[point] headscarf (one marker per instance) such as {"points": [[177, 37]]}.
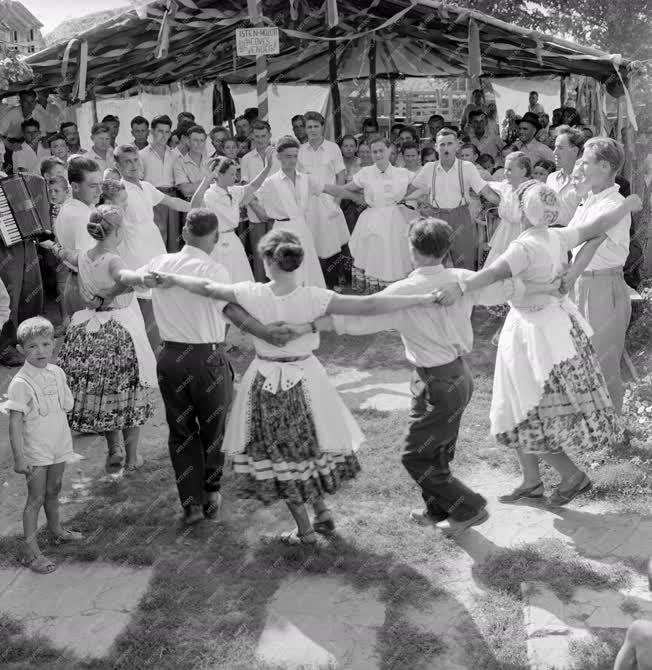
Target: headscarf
{"points": [[539, 203]]}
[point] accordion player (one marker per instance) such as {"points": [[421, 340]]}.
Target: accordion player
{"points": [[24, 209]]}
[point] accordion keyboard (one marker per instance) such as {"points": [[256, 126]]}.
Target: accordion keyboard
{"points": [[8, 228]]}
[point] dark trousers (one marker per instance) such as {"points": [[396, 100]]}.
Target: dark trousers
{"points": [[335, 267], [196, 382], [169, 222], [256, 231], [439, 397], [21, 274]]}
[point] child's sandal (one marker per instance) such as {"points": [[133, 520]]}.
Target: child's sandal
{"points": [[324, 526], [39, 564], [68, 536], [293, 538]]}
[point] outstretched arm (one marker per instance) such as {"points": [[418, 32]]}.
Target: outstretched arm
{"points": [[605, 221], [348, 192], [61, 253], [379, 303], [205, 287], [176, 204]]}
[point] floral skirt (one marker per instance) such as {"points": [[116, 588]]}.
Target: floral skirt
{"points": [[282, 459], [102, 372], [575, 411]]}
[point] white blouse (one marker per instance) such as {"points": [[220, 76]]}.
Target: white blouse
{"points": [[226, 205], [383, 189]]}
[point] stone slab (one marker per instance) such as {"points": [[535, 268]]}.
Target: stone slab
{"points": [[81, 607], [321, 623]]}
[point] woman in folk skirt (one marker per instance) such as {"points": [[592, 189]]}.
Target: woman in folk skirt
{"points": [[549, 394], [290, 435], [106, 355]]}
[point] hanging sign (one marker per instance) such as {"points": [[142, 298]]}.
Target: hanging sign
{"points": [[256, 41]]}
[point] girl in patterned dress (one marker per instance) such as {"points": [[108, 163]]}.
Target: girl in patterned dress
{"points": [[289, 433], [549, 393], [106, 355]]}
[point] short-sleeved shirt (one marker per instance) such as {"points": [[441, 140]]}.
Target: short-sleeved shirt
{"points": [[5, 310], [383, 189], [324, 163], [70, 227], [156, 170], [613, 252], [225, 204], [105, 162], [251, 165], [142, 239], [186, 171], [46, 434], [536, 151], [10, 124], [489, 143], [447, 182], [29, 160], [561, 182], [303, 305], [282, 199], [182, 316]]}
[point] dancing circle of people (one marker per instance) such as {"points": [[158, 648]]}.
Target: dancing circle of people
{"points": [[284, 431]]}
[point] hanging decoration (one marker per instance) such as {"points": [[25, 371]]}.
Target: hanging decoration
{"points": [[79, 90], [475, 56], [331, 13], [163, 39]]}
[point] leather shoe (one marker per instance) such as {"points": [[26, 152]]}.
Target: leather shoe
{"points": [[193, 514], [452, 528]]}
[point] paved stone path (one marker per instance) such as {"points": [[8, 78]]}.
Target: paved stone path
{"points": [[333, 625]]}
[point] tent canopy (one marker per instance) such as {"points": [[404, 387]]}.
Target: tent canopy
{"points": [[413, 38]]}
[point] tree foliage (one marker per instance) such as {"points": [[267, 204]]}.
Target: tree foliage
{"points": [[617, 26]]}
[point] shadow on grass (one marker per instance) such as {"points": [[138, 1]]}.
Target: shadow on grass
{"points": [[206, 603]]}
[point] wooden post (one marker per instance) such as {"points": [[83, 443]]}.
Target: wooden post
{"points": [[373, 93], [335, 89], [392, 101], [562, 91], [261, 72]]}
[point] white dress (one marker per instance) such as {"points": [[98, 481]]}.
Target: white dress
{"points": [[287, 204], [509, 227], [324, 216], [229, 250], [379, 244], [336, 429]]}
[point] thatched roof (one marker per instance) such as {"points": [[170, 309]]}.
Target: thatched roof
{"points": [[430, 39]]}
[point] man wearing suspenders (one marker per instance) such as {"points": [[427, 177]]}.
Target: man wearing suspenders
{"points": [[448, 182]]}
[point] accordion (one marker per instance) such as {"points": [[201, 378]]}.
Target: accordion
{"points": [[24, 209]]}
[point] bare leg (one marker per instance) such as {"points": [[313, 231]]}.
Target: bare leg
{"points": [[636, 652], [114, 444], [300, 514], [569, 472], [51, 503], [320, 506], [36, 484], [530, 468], [131, 437]]}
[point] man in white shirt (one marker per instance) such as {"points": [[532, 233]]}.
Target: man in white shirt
{"points": [[569, 144], [536, 151], [100, 150], [323, 160], [59, 147], [448, 182], [486, 143], [10, 125], [70, 131], [195, 375], [251, 165], [189, 169], [140, 131], [533, 104], [48, 112], [600, 290], [63, 100], [436, 339], [28, 158], [85, 178], [158, 169], [142, 239]]}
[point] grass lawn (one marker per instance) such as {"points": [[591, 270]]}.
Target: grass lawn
{"points": [[207, 602]]}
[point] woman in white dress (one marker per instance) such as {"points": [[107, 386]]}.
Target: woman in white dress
{"points": [[285, 196], [549, 394], [106, 354], [289, 433], [218, 192], [379, 244], [518, 170]]}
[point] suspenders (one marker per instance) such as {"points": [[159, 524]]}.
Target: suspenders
{"points": [[460, 175]]}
